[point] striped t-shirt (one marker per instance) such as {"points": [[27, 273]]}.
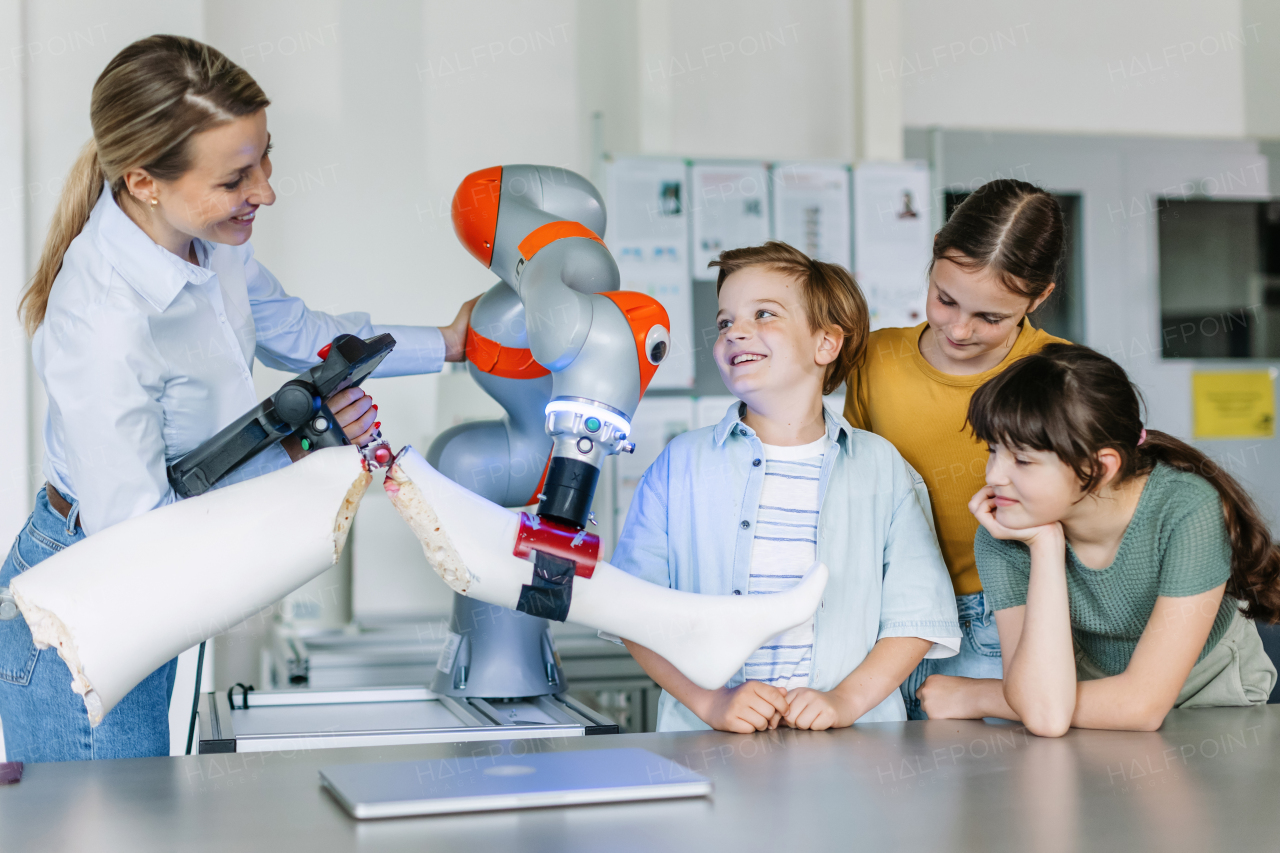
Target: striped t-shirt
{"points": [[786, 544]]}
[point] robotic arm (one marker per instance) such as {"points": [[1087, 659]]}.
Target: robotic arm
{"points": [[537, 228], [566, 353]]}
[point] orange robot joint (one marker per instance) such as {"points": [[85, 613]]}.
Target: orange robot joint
{"points": [[544, 235], [493, 358]]}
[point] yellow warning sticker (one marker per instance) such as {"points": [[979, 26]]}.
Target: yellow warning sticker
{"points": [[1233, 405]]}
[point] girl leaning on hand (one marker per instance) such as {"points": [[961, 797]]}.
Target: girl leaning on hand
{"points": [[1125, 567]]}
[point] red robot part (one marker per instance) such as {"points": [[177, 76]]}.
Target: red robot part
{"points": [[578, 546], [492, 357], [643, 312], [475, 212]]}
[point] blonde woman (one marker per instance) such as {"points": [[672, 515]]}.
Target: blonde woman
{"points": [[147, 311]]}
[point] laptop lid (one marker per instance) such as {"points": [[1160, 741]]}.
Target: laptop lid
{"points": [[485, 783]]}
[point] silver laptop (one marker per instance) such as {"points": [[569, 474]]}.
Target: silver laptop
{"points": [[490, 783]]}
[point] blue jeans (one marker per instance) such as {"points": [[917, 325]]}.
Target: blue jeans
{"points": [[43, 719], [979, 652]]}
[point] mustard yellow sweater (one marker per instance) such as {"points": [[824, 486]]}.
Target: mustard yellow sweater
{"points": [[899, 395]]}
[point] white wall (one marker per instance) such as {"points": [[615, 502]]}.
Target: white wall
{"points": [[747, 78], [66, 44], [1137, 67], [15, 455]]}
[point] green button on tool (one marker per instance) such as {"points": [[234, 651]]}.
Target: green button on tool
{"points": [[593, 424]]}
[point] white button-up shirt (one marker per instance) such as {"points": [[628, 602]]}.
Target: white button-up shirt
{"points": [[145, 356]]}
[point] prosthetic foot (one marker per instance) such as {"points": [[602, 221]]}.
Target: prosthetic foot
{"points": [[471, 543], [120, 603]]}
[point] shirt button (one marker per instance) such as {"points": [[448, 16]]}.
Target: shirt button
{"points": [[745, 524], [755, 463]]}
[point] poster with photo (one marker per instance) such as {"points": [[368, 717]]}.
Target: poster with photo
{"points": [[892, 239], [730, 207], [648, 234], [811, 209]]}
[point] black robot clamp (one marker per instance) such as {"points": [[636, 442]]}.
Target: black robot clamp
{"points": [[297, 408]]}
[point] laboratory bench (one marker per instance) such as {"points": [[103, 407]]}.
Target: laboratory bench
{"points": [[1208, 780]]}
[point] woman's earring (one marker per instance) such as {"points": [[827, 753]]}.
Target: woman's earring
{"points": [[154, 202]]}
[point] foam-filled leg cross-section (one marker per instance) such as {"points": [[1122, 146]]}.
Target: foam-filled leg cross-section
{"points": [[123, 601]]}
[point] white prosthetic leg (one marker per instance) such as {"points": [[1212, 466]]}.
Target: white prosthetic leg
{"points": [[122, 602], [470, 542]]}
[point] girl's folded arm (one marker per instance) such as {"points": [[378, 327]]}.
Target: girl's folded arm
{"points": [[1140, 697], [1040, 672]]}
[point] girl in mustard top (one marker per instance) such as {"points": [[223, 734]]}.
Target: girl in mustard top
{"points": [[994, 262]]}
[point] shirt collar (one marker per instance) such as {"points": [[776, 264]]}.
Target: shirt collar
{"points": [[838, 429], [155, 272]]}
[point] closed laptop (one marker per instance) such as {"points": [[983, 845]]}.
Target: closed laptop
{"points": [[489, 783]]}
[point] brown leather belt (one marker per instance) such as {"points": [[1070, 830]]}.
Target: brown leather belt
{"points": [[60, 504]]}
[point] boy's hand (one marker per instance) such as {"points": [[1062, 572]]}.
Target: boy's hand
{"points": [[813, 709], [750, 707]]}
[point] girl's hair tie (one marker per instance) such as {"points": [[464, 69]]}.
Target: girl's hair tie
{"points": [[1142, 436]]}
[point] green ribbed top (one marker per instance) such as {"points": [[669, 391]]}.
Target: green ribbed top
{"points": [[1176, 544]]}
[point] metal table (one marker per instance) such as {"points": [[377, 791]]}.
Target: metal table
{"points": [[1208, 780], [602, 675], [290, 720]]}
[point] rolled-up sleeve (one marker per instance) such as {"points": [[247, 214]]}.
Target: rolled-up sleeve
{"points": [[918, 598], [290, 334], [114, 436]]}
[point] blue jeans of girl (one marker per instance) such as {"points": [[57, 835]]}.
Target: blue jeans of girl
{"points": [[979, 652], [43, 719]]}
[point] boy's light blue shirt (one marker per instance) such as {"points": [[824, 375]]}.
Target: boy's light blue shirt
{"points": [[692, 523]]}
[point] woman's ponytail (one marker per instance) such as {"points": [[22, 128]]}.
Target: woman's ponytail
{"points": [[1255, 558], [79, 195], [148, 103], [1074, 402]]}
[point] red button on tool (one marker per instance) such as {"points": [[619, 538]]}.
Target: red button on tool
{"points": [[324, 351], [383, 455]]}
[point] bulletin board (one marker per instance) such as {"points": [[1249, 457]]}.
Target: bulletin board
{"points": [[811, 209], [892, 239], [648, 235], [730, 211]]}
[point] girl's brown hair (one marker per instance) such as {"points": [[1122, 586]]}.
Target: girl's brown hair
{"points": [[832, 299], [149, 101], [1011, 228], [1073, 402]]}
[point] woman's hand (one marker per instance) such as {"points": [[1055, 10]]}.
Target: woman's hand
{"points": [[455, 334], [354, 411], [983, 507]]}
